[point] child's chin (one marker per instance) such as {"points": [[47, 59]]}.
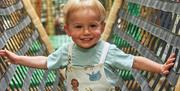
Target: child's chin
{"points": [[87, 46]]}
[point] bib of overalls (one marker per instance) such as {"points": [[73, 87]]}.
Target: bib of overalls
{"points": [[88, 78]]}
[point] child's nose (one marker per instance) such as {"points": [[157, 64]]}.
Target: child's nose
{"points": [[86, 31]]}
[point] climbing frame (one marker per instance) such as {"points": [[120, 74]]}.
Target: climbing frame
{"points": [[148, 28], [22, 33]]}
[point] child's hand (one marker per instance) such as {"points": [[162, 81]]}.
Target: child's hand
{"points": [[169, 63], [11, 57]]}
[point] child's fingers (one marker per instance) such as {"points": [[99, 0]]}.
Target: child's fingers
{"points": [[170, 60], [166, 72], [167, 66], [172, 55], [9, 61], [2, 54], [2, 51]]}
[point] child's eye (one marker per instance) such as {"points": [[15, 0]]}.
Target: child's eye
{"points": [[78, 26], [93, 26]]}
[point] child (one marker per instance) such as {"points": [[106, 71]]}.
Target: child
{"points": [[89, 60]]}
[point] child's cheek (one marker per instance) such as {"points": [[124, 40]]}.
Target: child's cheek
{"points": [[98, 32]]}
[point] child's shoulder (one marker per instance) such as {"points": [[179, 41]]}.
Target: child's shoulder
{"points": [[64, 46], [112, 46]]}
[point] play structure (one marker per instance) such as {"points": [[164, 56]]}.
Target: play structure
{"points": [[149, 28]]}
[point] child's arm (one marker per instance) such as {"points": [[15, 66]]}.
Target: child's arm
{"points": [[143, 63], [31, 61]]}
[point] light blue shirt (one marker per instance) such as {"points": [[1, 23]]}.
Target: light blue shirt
{"points": [[115, 59]]}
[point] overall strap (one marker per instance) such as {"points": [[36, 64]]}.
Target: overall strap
{"points": [[70, 53], [104, 52]]}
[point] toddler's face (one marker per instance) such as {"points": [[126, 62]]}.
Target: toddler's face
{"points": [[85, 27]]}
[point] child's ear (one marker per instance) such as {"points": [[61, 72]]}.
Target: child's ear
{"points": [[66, 29]]}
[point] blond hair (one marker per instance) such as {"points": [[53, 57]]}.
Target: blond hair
{"points": [[75, 5]]}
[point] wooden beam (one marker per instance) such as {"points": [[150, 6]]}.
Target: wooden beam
{"points": [[36, 21], [111, 19]]}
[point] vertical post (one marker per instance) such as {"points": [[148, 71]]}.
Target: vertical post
{"points": [[39, 7], [49, 18], [111, 18], [35, 19]]}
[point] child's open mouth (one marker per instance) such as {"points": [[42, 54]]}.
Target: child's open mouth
{"points": [[87, 39]]}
